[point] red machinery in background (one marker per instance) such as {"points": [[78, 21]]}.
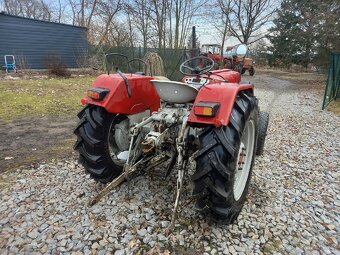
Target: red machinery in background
{"points": [[230, 60]]}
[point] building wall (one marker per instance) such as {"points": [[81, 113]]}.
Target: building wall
{"points": [[34, 43]]}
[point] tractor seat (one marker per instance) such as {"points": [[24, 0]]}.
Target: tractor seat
{"points": [[174, 91]]}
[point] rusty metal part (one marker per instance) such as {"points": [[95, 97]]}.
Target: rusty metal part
{"points": [[148, 145], [180, 146], [180, 178], [155, 163], [171, 164], [154, 139], [111, 186], [127, 172]]}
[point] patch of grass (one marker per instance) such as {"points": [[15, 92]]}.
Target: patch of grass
{"points": [[4, 182], [38, 98]]}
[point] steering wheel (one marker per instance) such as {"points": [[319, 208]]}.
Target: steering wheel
{"points": [[194, 71]]}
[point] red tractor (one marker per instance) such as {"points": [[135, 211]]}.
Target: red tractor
{"points": [[238, 62], [133, 122], [213, 51]]}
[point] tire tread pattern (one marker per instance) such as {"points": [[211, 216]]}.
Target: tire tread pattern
{"points": [[216, 163], [92, 143], [262, 132]]}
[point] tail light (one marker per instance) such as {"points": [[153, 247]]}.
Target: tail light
{"points": [[83, 101], [208, 109], [97, 93]]}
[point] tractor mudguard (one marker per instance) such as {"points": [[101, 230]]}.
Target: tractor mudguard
{"points": [[222, 93], [229, 75], [143, 94]]}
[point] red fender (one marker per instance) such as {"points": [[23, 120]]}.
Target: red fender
{"points": [[216, 75], [223, 93], [227, 74], [144, 95]]}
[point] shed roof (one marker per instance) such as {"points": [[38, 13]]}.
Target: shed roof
{"points": [[38, 20]]}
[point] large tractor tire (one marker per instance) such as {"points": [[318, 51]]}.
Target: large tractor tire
{"points": [[251, 71], [97, 143], [239, 68], [227, 63], [225, 161], [262, 132]]}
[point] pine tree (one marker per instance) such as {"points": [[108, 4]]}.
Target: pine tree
{"points": [[329, 32], [305, 31]]}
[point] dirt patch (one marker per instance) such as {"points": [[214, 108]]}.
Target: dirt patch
{"points": [[314, 80], [281, 81], [28, 141]]}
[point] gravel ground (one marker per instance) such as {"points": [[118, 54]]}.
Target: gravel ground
{"points": [[292, 207]]}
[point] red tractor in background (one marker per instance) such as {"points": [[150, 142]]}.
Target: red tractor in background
{"points": [[133, 122], [238, 62], [212, 51], [230, 60]]}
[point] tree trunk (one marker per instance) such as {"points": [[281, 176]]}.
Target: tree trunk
{"points": [[224, 35]]}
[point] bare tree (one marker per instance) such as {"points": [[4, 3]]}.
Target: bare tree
{"points": [[131, 29], [73, 6], [83, 11], [163, 23], [184, 12], [60, 11], [107, 10], [159, 12], [224, 31], [182, 19], [96, 15], [57, 10], [248, 18], [140, 11], [118, 35], [28, 8], [221, 24]]}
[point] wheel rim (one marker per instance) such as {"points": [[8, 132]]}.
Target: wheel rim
{"points": [[118, 140], [244, 159]]}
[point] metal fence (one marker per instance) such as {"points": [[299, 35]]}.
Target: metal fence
{"points": [[172, 58], [332, 89]]}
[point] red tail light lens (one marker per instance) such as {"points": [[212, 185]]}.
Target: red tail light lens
{"points": [[97, 93]]}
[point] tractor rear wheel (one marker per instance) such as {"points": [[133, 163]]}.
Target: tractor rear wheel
{"points": [[101, 136], [262, 132], [227, 63], [251, 71], [225, 161], [239, 67]]}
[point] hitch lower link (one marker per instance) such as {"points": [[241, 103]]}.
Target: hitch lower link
{"points": [[129, 168]]}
